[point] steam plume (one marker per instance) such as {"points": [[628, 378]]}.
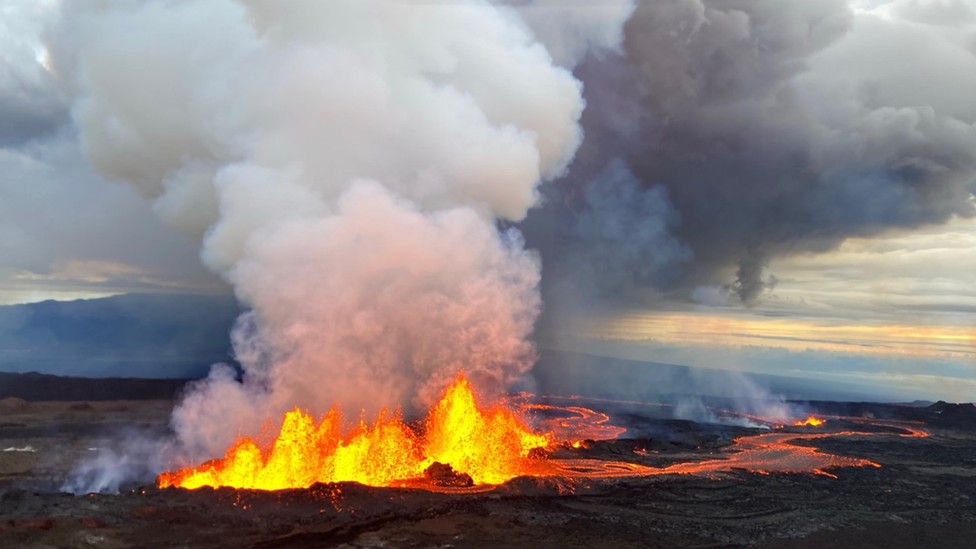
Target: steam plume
{"points": [[344, 164]]}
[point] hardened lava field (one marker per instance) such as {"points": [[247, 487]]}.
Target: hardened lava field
{"points": [[870, 476]]}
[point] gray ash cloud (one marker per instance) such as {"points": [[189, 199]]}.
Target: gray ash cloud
{"points": [[766, 128]]}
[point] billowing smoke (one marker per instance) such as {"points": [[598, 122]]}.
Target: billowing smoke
{"points": [[772, 128], [347, 165], [344, 164], [375, 305], [617, 242], [572, 29]]}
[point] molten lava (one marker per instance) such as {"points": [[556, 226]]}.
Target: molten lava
{"points": [[491, 445], [576, 423], [810, 421]]}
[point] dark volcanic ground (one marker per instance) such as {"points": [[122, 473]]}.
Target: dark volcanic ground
{"points": [[924, 494]]}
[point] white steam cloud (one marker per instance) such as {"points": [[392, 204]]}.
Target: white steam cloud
{"points": [[344, 164]]}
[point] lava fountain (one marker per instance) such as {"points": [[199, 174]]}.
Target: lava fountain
{"points": [[810, 421], [490, 444]]}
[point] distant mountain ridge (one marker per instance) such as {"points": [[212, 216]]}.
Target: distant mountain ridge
{"points": [[557, 373], [33, 386], [180, 336], [133, 335]]}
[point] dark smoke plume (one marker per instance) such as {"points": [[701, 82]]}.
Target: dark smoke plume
{"points": [[765, 139]]}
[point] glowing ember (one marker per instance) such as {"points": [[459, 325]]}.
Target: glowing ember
{"points": [[810, 421], [491, 445]]}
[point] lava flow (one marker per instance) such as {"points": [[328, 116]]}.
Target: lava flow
{"points": [[576, 423], [491, 445]]}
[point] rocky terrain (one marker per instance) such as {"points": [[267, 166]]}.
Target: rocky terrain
{"points": [[924, 493]]}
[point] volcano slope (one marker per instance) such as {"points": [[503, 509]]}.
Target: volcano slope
{"points": [[923, 493]]}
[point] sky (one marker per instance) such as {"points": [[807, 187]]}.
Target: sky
{"points": [[895, 313], [781, 188], [903, 299], [65, 232]]}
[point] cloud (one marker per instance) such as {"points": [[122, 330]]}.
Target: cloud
{"points": [[617, 239], [88, 271], [920, 277], [60, 232], [941, 13], [57, 217], [723, 142], [878, 377], [778, 128], [571, 29], [32, 105], [346, 166], [711, 296]]}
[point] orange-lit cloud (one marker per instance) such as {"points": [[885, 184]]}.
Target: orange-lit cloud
{"points": [[715, 330], [907, 295]]}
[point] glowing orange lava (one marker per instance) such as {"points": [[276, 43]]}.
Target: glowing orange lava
{"points": [[576, 424], [763, 454], [810, 421], [491, 445]]}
